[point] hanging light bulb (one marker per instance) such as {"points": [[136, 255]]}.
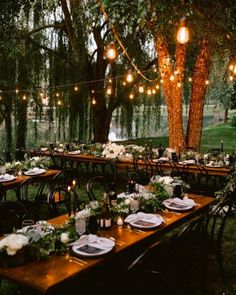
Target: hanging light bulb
{"points": [[179, 84], [109, 80], [76, 88], [123, 83], [57, 94], [207, 82], [109, 91], [131, 96], [157, 86], [17, 91], [93, 101], [231, 78], [129, 77], [24, 97], [161, 81], [183, 32], [141, 88], [154, 91], [190, 79], [231, 67], [111, 52], [149, 91], [59, 102], [172, 78]]}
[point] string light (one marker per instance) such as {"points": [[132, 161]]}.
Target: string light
{"points": [[17, 91], [123, 83], [149, 91], [157, 86], [131, 96], [93, 101], [172, 78], [129, 77], [24, 97], [141, 88], [109, 91], [231, 78], [154, 91], [109, 80], [59, 103], [76, 88], [183, 32], [111, 52], [179, 84], [190, 79], [207, 82], [57, 94], [161, 81]]}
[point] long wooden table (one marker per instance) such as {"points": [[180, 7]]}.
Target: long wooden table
{"points": [[14, 184], [124, 162], [51, 275]]}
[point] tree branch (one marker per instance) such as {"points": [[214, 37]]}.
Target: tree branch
{"points": [[55, 26]]}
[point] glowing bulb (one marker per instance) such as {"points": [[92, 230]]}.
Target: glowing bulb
{"points": [[76, 88], [183, 32], [149, 92], [231, 67], [124, 83], [41, 94], [59, 102], [92, 91], [179, 84], [93, 101], [162, 74], [235, 70], [129, 78], [0, 98], [161, 81], [110, 80], [111, 52], [207, 82], [154, 91], [231, 78], [109, 91], [24, 97], [190, 79], [141, 88], [17, 91], [131, 96], [57, 94], [172, 78], [44, 101], [157, 86], [73, 183]]}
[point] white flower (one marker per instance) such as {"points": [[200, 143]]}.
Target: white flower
{"points": [[166, 180], [205, 156], [127, 201], [65, 238], [94, 204], [85, 213], [13, 243]]}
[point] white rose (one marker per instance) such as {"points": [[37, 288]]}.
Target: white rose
{"points": [[127, 201], [65, 238], [14, 242]]}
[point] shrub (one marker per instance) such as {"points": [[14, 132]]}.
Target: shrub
{"points": [[233, 121]]}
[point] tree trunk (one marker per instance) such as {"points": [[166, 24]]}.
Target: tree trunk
{"points": [[8, 125], [226, 116], [172, 89], [199, 87]]}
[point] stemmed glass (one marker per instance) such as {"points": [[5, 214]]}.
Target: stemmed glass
{"points": [[80, 226]]}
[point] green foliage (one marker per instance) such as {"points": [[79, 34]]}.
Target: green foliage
{"points": [[233, 121]]}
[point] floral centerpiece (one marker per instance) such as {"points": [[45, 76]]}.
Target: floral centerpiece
{"points": [[40, 162]]}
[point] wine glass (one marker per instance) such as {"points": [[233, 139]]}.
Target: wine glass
{"points": [[134, 205], [27, 225]]}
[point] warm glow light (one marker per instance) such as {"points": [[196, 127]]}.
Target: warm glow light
{"points": [[24, 97], [17, 91], [93, 101], [129, 78], [179, 84], [59, 102], [123, 83], [183, 32], [109, 91], [76, 88], [110, 80], [41, 94], [44, 101], [57, 94], [157, 86], [172, 78], [161, 81], [131, 96], [111, 52], [0, 98], [190, 79], [207, 82], [141, 88], [231, 78], [74, 183], [154, 91], [231, 67], [149, 92], [162, 74], [92, 91], [235, 70]]}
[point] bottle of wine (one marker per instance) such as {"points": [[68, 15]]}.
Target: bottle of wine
{"points": [[113, 194], [105, 218], [160, 150]]}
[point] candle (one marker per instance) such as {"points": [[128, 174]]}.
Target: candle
{"points": [[222, 145], [119, 221]]}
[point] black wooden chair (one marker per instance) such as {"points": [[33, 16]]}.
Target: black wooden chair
{"points": [[12, 213], [95, 186], [143, 170], [57, 196]]}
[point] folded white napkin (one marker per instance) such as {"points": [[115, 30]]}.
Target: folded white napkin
{"points": [[189, 162], [44, 149], [5, 176], [155, 218], [74, 152], [163, 159], [94, 240], [184, 201]]}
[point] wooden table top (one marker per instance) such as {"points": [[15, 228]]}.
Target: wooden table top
{"points": [[44, 276], [19, 179]]}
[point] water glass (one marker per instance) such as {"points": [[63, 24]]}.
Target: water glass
{"points": [[28, 224], [80, 225]]}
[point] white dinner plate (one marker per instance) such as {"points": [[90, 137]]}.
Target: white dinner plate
{"points": [[93, 249], [74, 153], [177, 206], [214, 166], [4, 178], [146, 224], [34, 172]]}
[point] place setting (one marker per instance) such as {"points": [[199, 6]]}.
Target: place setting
{"points": [[7, 177], [178, 204], [35, 171], [144, 221]]}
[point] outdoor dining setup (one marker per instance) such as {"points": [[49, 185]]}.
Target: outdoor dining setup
{"points": [[110, 224]]}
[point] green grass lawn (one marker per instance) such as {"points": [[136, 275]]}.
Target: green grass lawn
{"points": [[211, 138]]}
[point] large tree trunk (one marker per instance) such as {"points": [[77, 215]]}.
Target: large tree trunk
{"points": [[172, 89], [199, 87]]}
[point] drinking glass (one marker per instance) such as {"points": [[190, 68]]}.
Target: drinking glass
{"points": [[134, 205], [28, 224], [80, 225]]}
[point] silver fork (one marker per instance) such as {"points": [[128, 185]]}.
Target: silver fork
{"points": [[76, 260]]}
